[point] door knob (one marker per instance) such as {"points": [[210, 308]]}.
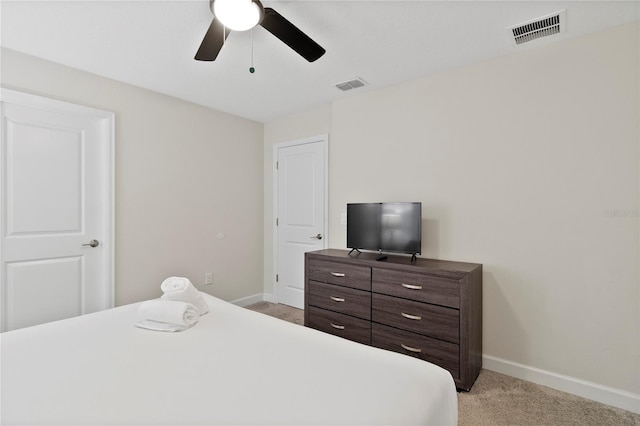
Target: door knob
{"points": [[92, 243], [317, 237]]}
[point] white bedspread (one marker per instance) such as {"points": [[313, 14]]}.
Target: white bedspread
{"points": [[234, 367]]}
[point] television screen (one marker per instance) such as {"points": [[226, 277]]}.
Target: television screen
{"points": [[387, 227]]}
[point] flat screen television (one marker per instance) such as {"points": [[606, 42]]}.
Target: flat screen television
{"points": [[385, 227]]}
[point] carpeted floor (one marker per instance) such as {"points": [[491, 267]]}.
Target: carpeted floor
{"points": [[497, 399], [284, 312]]}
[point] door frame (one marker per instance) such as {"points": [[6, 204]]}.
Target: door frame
{"points": [[107, 119], [324, 139]]}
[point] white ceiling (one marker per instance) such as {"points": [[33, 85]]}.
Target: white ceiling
{"points": [[151, 44]]}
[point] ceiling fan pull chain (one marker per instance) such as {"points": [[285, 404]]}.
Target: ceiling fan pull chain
{"points": [[252, 69]]}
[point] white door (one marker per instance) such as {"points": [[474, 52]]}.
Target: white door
{"points": [[301, 212], [56, 185]]}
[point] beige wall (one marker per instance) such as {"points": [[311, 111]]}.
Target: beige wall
{"points": [[184, 174], [524, 164], [528, 164]]}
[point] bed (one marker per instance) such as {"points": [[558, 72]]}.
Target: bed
{"points": [[235, 366]]}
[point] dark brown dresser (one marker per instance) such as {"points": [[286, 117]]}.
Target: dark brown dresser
{"points": [[429, 309]]}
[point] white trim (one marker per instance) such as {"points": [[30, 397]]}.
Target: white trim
{"points": [[324, 138], [255, 298], [249, 300], [42, 102], [594, 391], [111, 203]]}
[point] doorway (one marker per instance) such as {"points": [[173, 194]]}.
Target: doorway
{"points": [[57, 207], [301, 174]]}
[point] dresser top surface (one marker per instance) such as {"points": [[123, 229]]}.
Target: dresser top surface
{"points": [[396, 262]]}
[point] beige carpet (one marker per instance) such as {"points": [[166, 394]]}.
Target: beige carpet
{"points": [[497, 399], [284, 312]]}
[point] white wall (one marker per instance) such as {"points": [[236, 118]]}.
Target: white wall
{"points": [[184, 174], [528, 164]]}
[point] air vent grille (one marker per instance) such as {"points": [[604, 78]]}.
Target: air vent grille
{"points": [[538, 28], [351, 84]]}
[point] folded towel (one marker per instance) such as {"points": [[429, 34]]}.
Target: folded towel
{"points": [[167, 315], [181, 289]]}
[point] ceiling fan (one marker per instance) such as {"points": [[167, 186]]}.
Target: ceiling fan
{"points": [[242, 15]]}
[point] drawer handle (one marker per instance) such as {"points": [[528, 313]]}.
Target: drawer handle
{"points": [[411, 317], [410, 349], [412, 287], [339, 327], [336, 299], [337, 274]]}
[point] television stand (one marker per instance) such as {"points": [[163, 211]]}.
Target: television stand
{"points": [[354, 249]]}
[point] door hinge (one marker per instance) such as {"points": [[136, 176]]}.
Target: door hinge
{"points": [[277, 165], [277, 222], [276, 277]]}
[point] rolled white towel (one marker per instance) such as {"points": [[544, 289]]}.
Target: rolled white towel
{"points": [[167, 315], [179, 288]]}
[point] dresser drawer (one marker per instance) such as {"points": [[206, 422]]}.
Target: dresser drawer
{"points": [[345, 300], [421, 287], [430, 320], [340, 274], [444, 354], [346, 326]]}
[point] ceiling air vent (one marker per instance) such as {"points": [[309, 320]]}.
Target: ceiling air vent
{"points": [[538, 28], [351, 84]]}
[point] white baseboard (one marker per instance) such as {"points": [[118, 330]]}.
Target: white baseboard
{"points": [[249, 300], [255, 298], [594, 391]]}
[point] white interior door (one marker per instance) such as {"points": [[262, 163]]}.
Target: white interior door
{"points": [[301, 212], [57, 210]]}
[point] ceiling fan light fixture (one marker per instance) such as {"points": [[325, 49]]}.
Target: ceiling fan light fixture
{"points": [[238, 15]]}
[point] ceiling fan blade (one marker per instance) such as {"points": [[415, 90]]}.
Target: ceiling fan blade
{"points": [[291, 35], [212, 42]]}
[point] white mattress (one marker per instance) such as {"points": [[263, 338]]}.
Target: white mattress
{"points": [[234, 367]]}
